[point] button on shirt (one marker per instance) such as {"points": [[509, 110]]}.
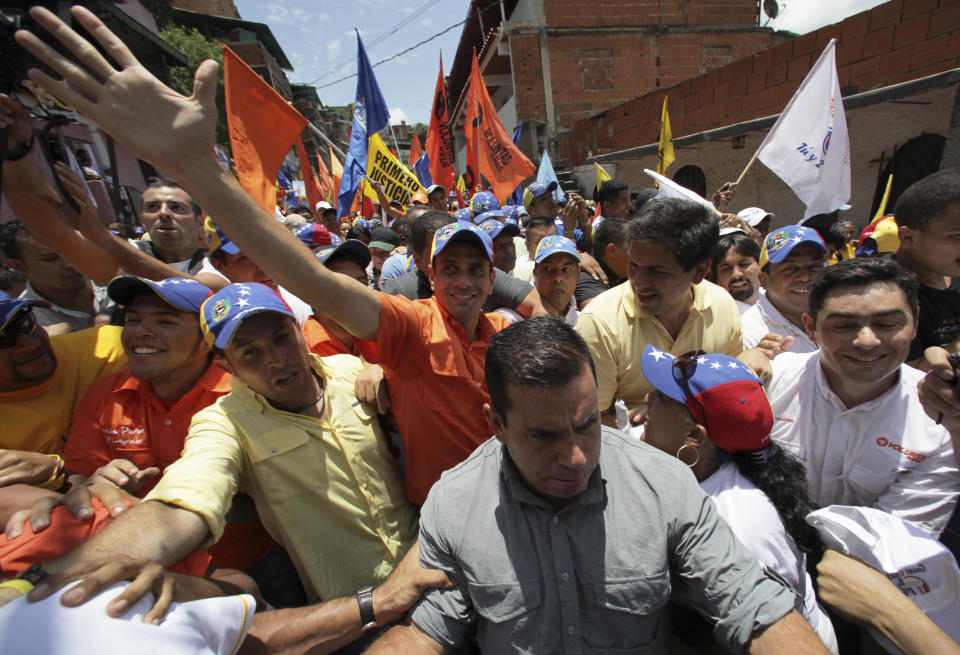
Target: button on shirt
{"points": [[617, 330], [884, 453], [434, 371], [595, 575], [329, 491], [763, 318]]}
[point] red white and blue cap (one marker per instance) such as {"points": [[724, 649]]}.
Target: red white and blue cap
{"points": [[555, 244], [313, 234], [511, 214], [737, 412], [780, 243], [483, 201], [494, 228], [180, 292], [461, 232], [223, 312], [11, 308], [353, 247]]}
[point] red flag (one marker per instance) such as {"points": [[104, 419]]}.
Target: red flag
{"points": [[263, 127], [439, 138], [326, 182], [497, 158], [336, 171], [415, 150], [309, 181]]}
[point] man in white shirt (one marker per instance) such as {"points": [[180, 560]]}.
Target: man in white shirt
{"points": [[790, 259], [850, 410], [736, 267]]}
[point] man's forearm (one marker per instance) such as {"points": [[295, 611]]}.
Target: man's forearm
{"points": [[320, 628], [152, 530], [791, 634]]}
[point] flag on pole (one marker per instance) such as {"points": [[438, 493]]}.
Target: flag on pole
{"points": [[546, 175], [602, 175], [327, 185], [263, 127], [422, 169], [415, 150], [439, 144], [665, 155], [309, 182], [674, 190], [883, 202], [518, 192], [808, 147], [336, 172], [370, 115], [497, 158]]}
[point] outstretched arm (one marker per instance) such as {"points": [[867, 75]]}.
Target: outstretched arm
{"points": [[175, 133]]}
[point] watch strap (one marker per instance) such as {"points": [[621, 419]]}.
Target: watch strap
{"points": [[365, 600]]}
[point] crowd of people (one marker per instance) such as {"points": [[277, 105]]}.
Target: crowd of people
{"points": [[531, 428]]}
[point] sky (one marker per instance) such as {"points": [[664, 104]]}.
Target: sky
{"points": [[318, 39]]}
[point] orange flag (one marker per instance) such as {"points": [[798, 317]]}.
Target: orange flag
{"points": [[415, 150], [336, 171], [309, 181], [439, 145], [497, 158], [326, 181], [263, 127]]}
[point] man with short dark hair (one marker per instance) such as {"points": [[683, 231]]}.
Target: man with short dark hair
{"points": [[555, 271], [544, 563], [437, 197], [610, 250], [928, 216], [173, 221], [614, 199], [736, 268], [668, 302], [850, 410]]}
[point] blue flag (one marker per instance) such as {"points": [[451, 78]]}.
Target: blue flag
{"points": [[545, 175], [370, 115], [422, 168]]}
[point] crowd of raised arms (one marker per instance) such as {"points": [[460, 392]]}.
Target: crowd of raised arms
{"points": [[661, 427]]}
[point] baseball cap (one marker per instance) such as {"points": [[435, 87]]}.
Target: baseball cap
{"points": [[483, 201], [180, 292], [753, 215], [730, 230], [353, 247], [216, 239], [463, 214], [461, 232], [779, 244], [536, 190], [223, 312], [721, 392], [419, 198], [323, 206], [384, 238], [434, 187], [883, 235], [11, 308], [511, 214], [494, 228], [313, 234], [554, 244], [361, 224]]}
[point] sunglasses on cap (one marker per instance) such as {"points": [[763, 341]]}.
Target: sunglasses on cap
{"points": [[684, 367], [22, 326]]}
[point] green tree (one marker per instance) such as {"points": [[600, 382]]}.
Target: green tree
{"points": [[197, 48]]}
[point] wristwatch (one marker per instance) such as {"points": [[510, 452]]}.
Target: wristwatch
{"points": [[365, 600]]}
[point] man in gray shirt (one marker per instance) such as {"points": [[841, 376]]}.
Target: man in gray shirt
{"points": [[567, 537]]}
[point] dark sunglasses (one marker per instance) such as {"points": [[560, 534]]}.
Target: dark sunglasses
{"points": [[684, 367], [19, 327]]}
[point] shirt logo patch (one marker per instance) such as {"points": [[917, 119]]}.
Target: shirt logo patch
{"points": [[912, 455], [124, 436]]}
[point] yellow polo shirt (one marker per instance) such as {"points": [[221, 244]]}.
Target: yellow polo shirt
{"points": [[36, 419], [617, 331], [329, 491]]}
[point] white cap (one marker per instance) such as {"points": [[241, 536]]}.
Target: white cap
{"points": [[323, 205], [730, 230], [753, 215]]}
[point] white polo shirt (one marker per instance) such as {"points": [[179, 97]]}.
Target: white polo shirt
{"points": [[885, 453], [763, 318]]}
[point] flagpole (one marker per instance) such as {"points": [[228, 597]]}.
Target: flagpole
{"points": [[330, 143], [747, 168], [406, 182]]}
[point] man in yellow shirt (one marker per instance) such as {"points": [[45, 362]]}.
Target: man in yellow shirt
{"points": [[666, 302], [42, 378]]}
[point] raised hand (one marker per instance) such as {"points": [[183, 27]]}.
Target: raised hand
{"points": [[149, 118]]}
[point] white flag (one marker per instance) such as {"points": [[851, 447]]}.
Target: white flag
{"points": [[808, 146], [670, 188]]}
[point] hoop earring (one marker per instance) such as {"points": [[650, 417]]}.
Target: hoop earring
{"points": [[687, 445]]}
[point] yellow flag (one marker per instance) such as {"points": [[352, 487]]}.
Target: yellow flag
{"points": [[461, 184], [602, 175], [665, 155], [883, 203], [385, 169]]}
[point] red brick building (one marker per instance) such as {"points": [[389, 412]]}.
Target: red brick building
{"points": [[552, 63], [898, 69]]}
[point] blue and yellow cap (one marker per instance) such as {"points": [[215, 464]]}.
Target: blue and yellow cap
{"points": [[461, 232], [554, 244], [223, 312], [183, 294]]}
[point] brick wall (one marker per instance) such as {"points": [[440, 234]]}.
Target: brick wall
{"points": [[617, 13], [212, 7], [895, 42]]}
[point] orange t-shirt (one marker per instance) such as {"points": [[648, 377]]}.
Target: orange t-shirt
{"points": [[323, 344], [435, 375], [121, 417]]}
